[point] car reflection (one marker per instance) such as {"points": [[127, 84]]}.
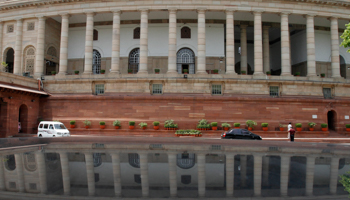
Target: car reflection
{"points": [[240, 134]]}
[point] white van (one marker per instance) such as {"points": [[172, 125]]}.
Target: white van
{"points": [[52, 129]]}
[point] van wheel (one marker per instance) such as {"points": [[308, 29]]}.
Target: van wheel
{"points": [[53, 136], [40, 135]]}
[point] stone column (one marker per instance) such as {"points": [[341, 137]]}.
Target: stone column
{"points": [[201, 174], [40, 160], [89, 162], [116, 174], [144, 174], [230, 43], [265, 172], [19, 169], [172, 42], [18, 48], [201, 57], [285, 46], [334, 175], [285, 165], [258, 56], [310, 168], [115, 68], [230, 174], [1, 32], [310, 45], [257, 174], [65, 173], [40, 48], [172, 174], [335, 48], [244, 58], [2, 174], [266, 47], [243, 162], [144, 43], [64, 45], [89, 42]]}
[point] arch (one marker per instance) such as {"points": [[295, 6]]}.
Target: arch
{"points": [[134, 160], [51, 60], [185, 160], [23, 119], [137, 33], [185, 61], [134, 60], [342, 66], [331, 119], [238, 68], [96, 62], [29, 162], [29, 59], [10, 163], [185, 32], [9, 57]]}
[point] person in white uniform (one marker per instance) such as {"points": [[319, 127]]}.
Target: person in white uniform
{"points": [[289, 127]]}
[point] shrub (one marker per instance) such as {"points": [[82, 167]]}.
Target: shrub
{"points": [[264, 124], [312, 124], [251, 123], [116, 123], [216, 71], [214, 124], [169, 123], [185, 70], [132, 123], [226, 125], [156, 70], [53, 72], [298, 125], [347, 125], [268, 72], [72, 122], [76, 72], [143, 124], [323, 75], [102, 123], [324, 125], [103, 71], [129, 70], [87, 123], [243, 72], [156, 123], [297, 74], [237, 124]]}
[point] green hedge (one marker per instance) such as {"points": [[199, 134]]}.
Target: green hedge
{"points": [[188, 132]]}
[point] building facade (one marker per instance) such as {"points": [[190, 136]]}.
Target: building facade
{"points": [[224, 61]]}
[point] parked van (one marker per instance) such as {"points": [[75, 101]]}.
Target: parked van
{"points": [[52, 129]]}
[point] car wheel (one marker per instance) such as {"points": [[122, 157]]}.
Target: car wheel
{"points": [[40, 135]]}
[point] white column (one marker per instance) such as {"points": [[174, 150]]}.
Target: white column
{"points": [[244, 58], [310, 45], [284, 178], [115, 67], [201, 66], [144, 174], [1, 31], [257, 174], [144, 42], [65, 173], [89, 42], [89, 162], [19, 169], [285, 46], [40, 48], [335, 48], [64, 45], [310, 168], [40, 160], [258, 55], [201, 174], [266, 47], [334, 175], [2, 174], [230, 174], [172, 42], [230, 43], [18, 48], [172, 174], [116, 174], [243, 162], [265, 172]]}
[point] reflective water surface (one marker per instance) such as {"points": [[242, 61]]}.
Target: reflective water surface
{"points": [[156, 170]]}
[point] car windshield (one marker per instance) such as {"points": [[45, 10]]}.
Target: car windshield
{"points": [[59, 126]]}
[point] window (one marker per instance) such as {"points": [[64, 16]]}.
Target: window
{"points": [[30, 26], [216, 89], [99, 89], [137, 33], [95, 35], [41, 126], [274, 91], [327, 93], [157, 89], [134, 60], [10, 28], [185, 32], [46, 126], [96, 62]]}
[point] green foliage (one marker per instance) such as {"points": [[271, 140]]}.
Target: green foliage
{"points": [[264, 124], [347, 125], [143, 124], [156, 70], [129, 70], [323, 75], [312, 124], [324, 125], [102, 123], [76, 72], [72, 122], [53, 72], [226, 125], [282, 125], [185, 70], [268, 72], [243, 72], [251, 123], [346, 37], [188, 132], [345, 180], [236, 124], [155, 123], [132, 123], [116, 123], [214, 124], [103, 71], [298, 125], [297, 74], [169, 123], [87, 123], [216, 71]]}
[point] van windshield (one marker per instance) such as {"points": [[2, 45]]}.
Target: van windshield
{"points": [[59, 126]]}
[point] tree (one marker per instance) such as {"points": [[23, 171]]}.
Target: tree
{"points": [[345, 180], [346, 37]]}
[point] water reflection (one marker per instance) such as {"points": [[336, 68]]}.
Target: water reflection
{"points": [[164, 173]]}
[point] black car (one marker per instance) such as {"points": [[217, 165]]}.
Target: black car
{"points": [[240, 134]]}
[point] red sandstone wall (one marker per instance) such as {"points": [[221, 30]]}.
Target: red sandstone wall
{"points": [[187, 110]]}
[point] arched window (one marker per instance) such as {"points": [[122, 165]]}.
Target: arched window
{"points": [[10, 163], [96, 62], [51, 60], [185, 61], [185, 160], [185, 32], [29, 59], [134, 60], [9, 59], [97, 159], [29, 162], [95, 34], [134, 160], [137, 33]]}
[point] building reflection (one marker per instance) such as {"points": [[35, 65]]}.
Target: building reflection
{"points": [[159, 171]]}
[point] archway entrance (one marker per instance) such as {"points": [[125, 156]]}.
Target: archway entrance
{"points": [[331, 119], [185, 61], [9, 58], [23, 119], [238, 68]]}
